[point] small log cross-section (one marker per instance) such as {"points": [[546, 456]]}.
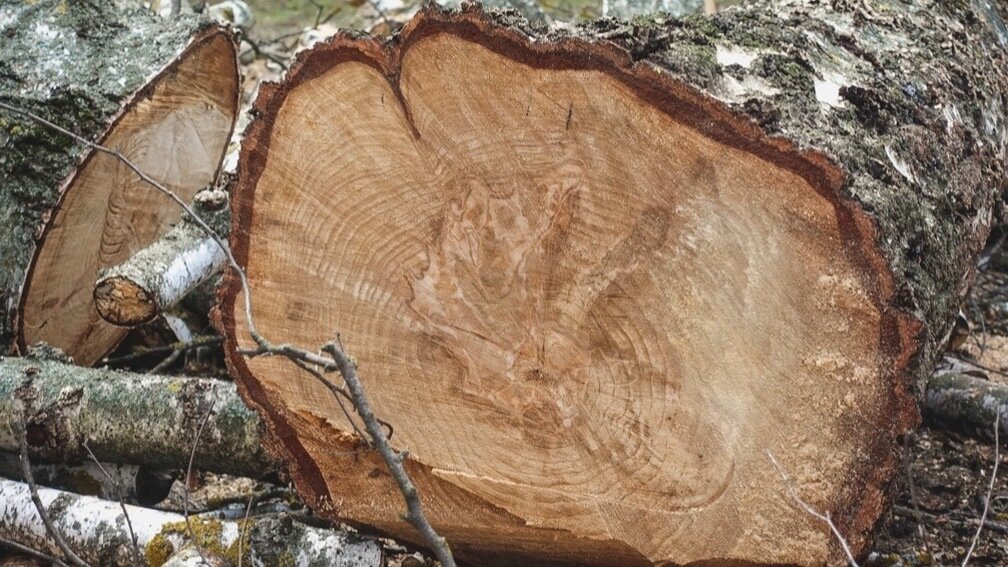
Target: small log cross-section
{"points": [[593, 277], [162, 91]]}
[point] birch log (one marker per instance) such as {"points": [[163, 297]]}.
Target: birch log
{"points": [[96, 530], [163, 91], [129, 418], [591, 276], [157, 277]]}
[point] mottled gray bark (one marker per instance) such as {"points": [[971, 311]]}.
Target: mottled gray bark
{"points": [[77, 64], [96, 530], [155, 279], [967, 402], [128, 418]]}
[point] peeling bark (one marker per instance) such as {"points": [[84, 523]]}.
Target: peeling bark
{"points": [[128, 418], [97, 531]]}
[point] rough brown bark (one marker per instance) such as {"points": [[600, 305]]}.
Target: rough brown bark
{"points": [[883, 140], [163, 91]]}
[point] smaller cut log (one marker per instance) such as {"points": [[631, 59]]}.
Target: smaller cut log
{"points": [[128, 418], [161, 91], [96, 530], [967, 402], [157, 277]]}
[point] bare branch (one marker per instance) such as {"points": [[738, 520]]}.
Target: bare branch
{"points": [[137, 561], [393, 458], [825, 518], [54, 533], [185, 485], [990, 488]]}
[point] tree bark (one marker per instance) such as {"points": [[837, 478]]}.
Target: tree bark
{"points": [[593, 276], [162, 91], [97, 531], [128, 418]]}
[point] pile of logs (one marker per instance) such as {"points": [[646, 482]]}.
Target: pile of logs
{"points": [[614, 290]]}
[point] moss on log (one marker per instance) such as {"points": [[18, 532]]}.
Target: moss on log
{"points": [[162, 91], [97, 531]]}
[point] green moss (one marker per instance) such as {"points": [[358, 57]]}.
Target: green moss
{"points": [[206, 534], [231, 553], [158, 550]]}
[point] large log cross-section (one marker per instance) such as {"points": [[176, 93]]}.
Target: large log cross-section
{"points": [[593, 277]]}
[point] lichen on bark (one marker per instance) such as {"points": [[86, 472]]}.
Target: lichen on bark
{"points": [[128, 418]]}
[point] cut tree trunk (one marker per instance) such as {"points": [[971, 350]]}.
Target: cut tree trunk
{"points": [[164, 92], [127, 418], [593, 277]]}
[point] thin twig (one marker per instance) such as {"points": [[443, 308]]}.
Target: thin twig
{"points": [[34, 552], [392, 460], [137, 562], [244, 530], [978, 365], [907, 469], [338, 393], [812, 511], [168, 361], [51, 528], [185, 485], [990, 488], [184, 346]]}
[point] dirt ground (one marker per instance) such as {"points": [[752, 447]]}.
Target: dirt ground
{"points": [[939, 501]]}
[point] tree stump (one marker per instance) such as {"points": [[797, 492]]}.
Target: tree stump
{"points": [[594, 277], [164, 92]]}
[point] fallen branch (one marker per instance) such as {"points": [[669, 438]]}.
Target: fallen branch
{"points": [[967, 402], [157, 277], [96, 530], [130, 418]]}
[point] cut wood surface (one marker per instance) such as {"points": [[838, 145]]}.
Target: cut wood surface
{"points": [[592, 277], [164, 92]]}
